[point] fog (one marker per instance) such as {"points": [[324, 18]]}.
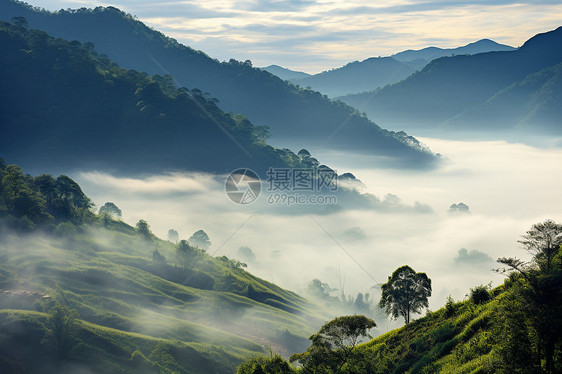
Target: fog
{"points": [[507, 188]]}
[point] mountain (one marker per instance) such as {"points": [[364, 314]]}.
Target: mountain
{"points": [[359, 76], [63, 107], [142, 306], [376, 72], [533, 104], [431, 53], [304, 116], [474, 92], [285, 74]]}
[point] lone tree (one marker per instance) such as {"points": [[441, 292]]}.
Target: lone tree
{"points": [[110, 209], [406, 292], [173, 236], [200, 239], [143, 229], [61, 325], [333, 345]]}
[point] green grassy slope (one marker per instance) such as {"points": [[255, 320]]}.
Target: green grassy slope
{"points": [[108, 278], [203, 316]]}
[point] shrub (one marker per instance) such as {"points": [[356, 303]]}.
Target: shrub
{"points": [[480, 294]]}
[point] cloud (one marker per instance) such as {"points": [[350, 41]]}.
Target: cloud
{"points": [[314, 35], [509, 187], [354, 234], [472, 258]]}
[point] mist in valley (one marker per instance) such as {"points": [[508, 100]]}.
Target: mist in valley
{"points": [[507, 188]]}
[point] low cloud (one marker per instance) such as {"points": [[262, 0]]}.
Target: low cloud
{"points": [[357, 246], [472, 258]]}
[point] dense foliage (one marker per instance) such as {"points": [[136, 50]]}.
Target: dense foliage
{"points": [[64, 106], [45, 201]]}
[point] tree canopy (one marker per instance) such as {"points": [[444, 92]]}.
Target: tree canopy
{"points": [[333, 344], [200, 239], [406, 292], [110, 209]]}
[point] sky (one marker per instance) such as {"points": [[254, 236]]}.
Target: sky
{"points": [[318, 35], [359, 248]]}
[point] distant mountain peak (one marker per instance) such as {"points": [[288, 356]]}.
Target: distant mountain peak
{"points": [[431, 53], [284, 73]]}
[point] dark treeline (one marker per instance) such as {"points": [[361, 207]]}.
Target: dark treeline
{"points": [[63, 106]]}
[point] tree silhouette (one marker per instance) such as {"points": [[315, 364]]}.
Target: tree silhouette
{"points": [[406, 292], [61, 325], [111, 209]]}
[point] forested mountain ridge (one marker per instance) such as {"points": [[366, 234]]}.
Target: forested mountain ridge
{"points": [[62, 106], [133, 302], [292, 113], [460, 92]]}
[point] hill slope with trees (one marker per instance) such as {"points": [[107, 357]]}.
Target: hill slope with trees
{"points": [[302, 115], [514, 328], [81, 290], [62, 106]]}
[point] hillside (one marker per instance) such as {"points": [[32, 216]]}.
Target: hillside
{"points": [[62, 107], [514, 328], [132, 291], [458, 92], [301, 115]]}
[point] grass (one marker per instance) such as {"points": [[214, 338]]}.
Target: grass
{"points": [[209, 312], [437, 343]]}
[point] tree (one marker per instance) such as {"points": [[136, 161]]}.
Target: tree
{"points": [[185, 252], [61, 325], [200, 239], [110, 209], [406, 292], [173, 236], [538, 284], [274, 364], [480, 294], [246, 254], [20, 22], [319, 290], [46, 184], [20, 199], [333, 345], [543, 242], [143, 229], [157, 258]]}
